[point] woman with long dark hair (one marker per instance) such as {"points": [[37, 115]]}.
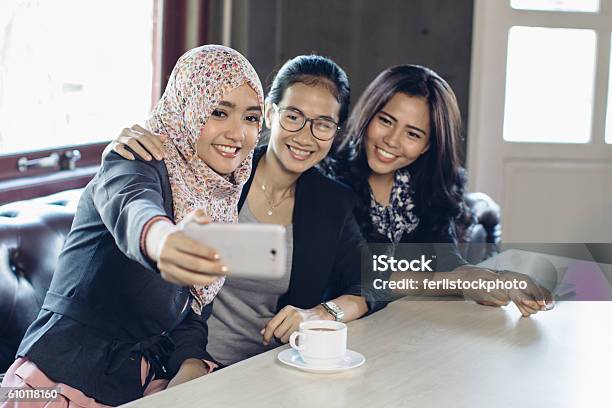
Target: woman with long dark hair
{"points": [[405, 132], [401, 156]]}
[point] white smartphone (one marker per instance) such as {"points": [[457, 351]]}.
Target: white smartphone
{"points": [[252, 251]]}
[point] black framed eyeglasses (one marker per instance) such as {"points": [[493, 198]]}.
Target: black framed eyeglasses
{"points": [[293, 120]]}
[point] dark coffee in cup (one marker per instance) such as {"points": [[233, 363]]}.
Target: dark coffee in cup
{"points": [[322, 343]]}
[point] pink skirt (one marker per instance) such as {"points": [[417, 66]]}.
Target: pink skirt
{"points": [[25, 374]]}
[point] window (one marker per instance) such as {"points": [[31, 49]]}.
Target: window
{"points": [[557, 5], [550, 75], [539, 98], [557, 59], [73, 72]]}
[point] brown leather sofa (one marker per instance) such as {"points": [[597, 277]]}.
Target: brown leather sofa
{"points": [[32, 233]]}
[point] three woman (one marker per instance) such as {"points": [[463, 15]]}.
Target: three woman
{"points": [[126, 311], [400, 156]]}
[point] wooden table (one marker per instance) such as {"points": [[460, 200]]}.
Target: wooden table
{"points": [[434, 354]]}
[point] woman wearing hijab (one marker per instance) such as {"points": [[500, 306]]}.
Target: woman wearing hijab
{"points": [[307, 104], [126, 311]]}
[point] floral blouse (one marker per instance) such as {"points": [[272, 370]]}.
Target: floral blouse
{"points": [[397, 218]]}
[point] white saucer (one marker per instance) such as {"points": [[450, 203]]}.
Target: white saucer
{"points": [[292, 358]]}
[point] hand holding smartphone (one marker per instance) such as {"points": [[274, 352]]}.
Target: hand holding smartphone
{"points": [[251, 251]]}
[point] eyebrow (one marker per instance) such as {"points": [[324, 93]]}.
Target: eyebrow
{"points": [[232, 105], [408, 126], [318, 117]]}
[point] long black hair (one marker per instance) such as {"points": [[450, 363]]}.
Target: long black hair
{"points": [[437, 177]]}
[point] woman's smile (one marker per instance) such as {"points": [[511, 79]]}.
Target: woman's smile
{"points": [[383, 155], [226, 151], [299, 154]]}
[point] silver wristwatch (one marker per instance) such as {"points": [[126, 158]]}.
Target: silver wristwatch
{"points": [[334, 310]]}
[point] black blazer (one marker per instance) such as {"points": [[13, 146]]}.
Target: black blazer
{"points": [[434, 237], [438, 243], [107, 305], [326, 259]]}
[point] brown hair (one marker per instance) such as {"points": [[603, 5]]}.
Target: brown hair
{"points": [[437, 175]]}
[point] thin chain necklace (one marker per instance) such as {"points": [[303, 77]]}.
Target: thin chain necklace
{"points": [[271, 204]]}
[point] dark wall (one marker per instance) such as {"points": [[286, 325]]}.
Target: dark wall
{"points": [[363, 36]]}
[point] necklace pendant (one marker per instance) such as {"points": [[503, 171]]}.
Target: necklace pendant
{"points": [[270, 213]]}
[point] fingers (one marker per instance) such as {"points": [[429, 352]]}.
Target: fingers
{"points": [[538, 296], [268, 332], [533, 297], [549, 299], [179, 276], [537, 293], [521, 309], [157, 139], [493, 303], [183, 261], [497, 301], [526, 307], [500, 297], [194, 263], [151, 142], [142, 142], [137, 128], [525, 303], [203, 220], [550, 303], [273, 324], [486, 297], [135, 144], [288, 326], [122, 151], [182, 243], [200, 217], [526, 300]]}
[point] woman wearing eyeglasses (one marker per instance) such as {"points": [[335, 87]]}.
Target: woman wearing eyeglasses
{"points": [[305, 107]]}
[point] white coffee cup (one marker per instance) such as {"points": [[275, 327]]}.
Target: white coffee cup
{"points": [[322, 343]]}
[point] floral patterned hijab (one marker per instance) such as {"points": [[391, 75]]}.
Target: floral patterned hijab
{"points": [[200, 79]]}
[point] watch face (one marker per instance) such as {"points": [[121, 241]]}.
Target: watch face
{"points": [[335, 311]]}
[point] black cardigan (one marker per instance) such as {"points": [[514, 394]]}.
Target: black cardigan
{"points": [[434, 237], [327, 242], [107, 305]]}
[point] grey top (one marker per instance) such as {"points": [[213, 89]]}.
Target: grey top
{"points": [[243, 307]]}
